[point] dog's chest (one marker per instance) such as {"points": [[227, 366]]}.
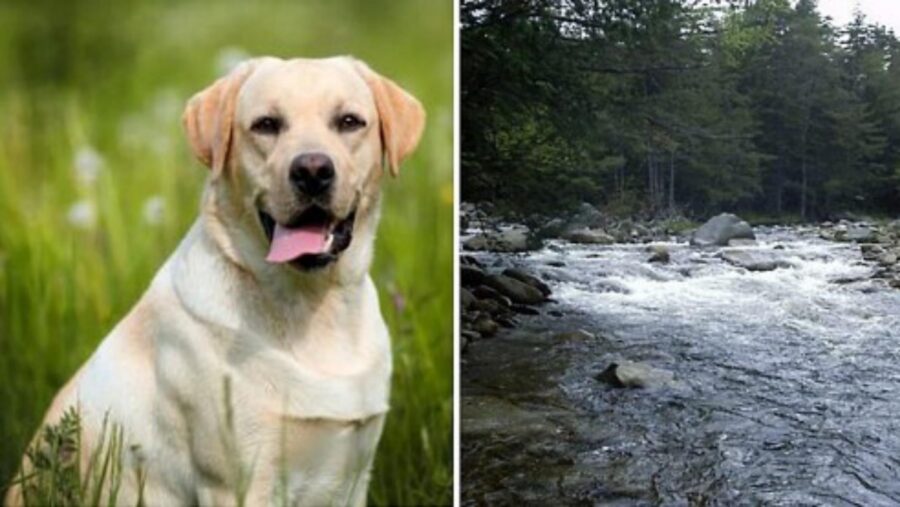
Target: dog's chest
{"points": [[327, 462]]}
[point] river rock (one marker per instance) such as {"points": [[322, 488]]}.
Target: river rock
{"points": [[857, 234], [466, 298], [468, 260], [589, 237], [485, 326], [755, 260], [870, 251], [518, 292], [488, 305], [658, 253], [507, 321], [470, 275], [511, 239], [485, 292], [528, 278], [718, 230], [466, 337], [632, 374], [887, 259], [893, 227]]}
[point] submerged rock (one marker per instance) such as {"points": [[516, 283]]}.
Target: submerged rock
{"points": [[741, 242], [719, 230], [755, 260], [577, 335], [632, 374]]}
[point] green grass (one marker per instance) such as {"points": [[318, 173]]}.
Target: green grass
{"points": [[74, 82]]}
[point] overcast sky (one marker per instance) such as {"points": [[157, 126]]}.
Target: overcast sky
{"points": [[884, 12]]}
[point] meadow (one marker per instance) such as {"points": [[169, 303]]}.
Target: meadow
{"points": [[97, 186]]}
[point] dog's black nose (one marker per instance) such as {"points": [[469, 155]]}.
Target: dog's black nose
{"points": [[312, 173]]}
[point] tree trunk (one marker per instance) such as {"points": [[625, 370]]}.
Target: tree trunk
{"points": [[651, 191], [672, 181], [803, 187]]}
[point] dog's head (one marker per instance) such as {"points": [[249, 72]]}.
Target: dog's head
{"points": [[299, 145]]}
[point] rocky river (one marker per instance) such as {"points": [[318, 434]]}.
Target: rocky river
{"points": [[779, 383]]}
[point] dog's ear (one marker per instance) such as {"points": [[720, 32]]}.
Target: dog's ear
{"points": [[400, 115], [209, 116]]}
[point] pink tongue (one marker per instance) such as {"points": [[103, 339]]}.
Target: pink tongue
{"points": [[288, 244]]}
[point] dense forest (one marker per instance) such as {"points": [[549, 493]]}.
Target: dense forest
{"points": [[658, 106]]}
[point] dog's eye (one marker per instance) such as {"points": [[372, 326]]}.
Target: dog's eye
{"points": [[267, 125], [349, 123]]}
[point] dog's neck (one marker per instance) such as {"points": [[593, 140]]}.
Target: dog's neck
{"points": [[297, 331]]}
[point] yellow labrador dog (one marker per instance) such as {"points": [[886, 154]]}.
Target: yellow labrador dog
{"points": [[270, 290]]}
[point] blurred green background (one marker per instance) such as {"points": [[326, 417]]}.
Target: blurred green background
{"points": [[97, 186]]}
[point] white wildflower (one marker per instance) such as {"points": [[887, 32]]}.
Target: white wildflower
{"points": [[154, 210], [228, 58], [82, 214], [87, 164]]}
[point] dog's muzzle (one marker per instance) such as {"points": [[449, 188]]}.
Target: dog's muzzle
{"points": [[311, 239]]}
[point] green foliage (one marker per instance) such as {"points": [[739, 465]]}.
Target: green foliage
{"points": [[53, 476], [756, 105], [91, 97]]}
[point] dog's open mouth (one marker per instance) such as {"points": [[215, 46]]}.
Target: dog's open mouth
{"points": [[311, 239]]}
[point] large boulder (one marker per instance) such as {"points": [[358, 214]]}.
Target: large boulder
{"points": [[509, 239], [518, 292], [525, 277], [631, 374], [719, 230]]}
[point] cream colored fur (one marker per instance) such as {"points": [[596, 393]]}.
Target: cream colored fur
{"points": [[306, 355]]}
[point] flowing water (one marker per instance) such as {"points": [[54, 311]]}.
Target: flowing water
{"points": [[787, 386]]}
